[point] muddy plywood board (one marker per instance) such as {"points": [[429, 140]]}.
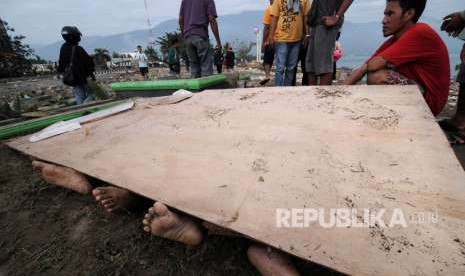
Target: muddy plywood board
{"points": [[234, 157]]}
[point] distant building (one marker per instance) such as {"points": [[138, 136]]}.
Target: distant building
{"points": [[123, 62], [43, 68]]}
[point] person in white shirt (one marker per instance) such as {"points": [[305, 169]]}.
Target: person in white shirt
{"points": [[143, 62]]}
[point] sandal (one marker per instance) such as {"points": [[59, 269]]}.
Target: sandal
{"points": [[447, 125]]}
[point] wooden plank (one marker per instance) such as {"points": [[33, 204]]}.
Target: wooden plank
{"points": [[234, 157]]}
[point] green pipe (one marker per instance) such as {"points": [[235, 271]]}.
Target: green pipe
{"points": [[188, 84], [244, 77], [28, 127]]}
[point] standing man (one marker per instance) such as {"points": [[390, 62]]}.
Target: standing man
{"points": [[143, 62], [219, 59], [287, 30], [194, 18], [454, 24], [414, 54], [76, 65], [267, 49], [325, 21]]}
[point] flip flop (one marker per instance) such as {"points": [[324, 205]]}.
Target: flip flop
{"points": [[446, 125], [456, 138], [265, 81]]}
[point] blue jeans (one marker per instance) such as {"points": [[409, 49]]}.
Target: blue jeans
{"points": [[287, 55], [82, 94], [200, 56]]}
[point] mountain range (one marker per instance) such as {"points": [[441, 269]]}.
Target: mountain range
{"points": [[358, 39]]}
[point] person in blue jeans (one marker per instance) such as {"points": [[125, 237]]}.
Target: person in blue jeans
{"points": [[82, 64], [194, 18], [288, 30]]}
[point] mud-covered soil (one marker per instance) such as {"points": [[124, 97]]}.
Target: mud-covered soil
{"points": [[46, 230]]}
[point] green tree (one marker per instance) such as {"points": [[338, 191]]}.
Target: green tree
{"points": [[152, 54], [168, 40], [101, 57], [20, 52], [116, 55], [243, 51]]}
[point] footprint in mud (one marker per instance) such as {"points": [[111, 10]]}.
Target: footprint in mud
{"points": [[373, 114], [332, 92], [362, 109], [215, 114], [81, 229], [260, 165], [248, 96]]}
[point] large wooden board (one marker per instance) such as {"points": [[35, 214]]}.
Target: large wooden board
{"points": [[233, 157]]}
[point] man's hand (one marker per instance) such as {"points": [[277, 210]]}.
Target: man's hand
{"points": [[306, 40], [269, 41], [330, 21], [453, 24]]}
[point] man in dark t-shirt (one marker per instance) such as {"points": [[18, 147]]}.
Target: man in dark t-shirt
{"points": [[194, 18], [415, 54]]}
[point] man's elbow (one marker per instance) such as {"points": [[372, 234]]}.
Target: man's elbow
{"points": [[212, 20]]}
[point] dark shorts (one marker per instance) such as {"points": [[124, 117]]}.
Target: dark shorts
{"points": [[268, 55], [144, 70], [461, 74]]}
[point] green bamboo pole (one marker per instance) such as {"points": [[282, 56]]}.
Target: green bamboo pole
{"points": [[28, 127], [188, 84]]}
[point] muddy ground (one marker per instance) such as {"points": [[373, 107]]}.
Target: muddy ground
{"points": [[46, 230]]}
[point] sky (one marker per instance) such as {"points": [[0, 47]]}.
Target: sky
{"points": [[41, 20]]}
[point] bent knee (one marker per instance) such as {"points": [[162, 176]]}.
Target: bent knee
{"points": [[377, 77]]}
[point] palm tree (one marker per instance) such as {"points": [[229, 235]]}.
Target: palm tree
{"points": [[101, 57], [168, 40], [152, 54]]}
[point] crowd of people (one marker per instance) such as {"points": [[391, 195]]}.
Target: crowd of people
{"points": [[294, 30]]}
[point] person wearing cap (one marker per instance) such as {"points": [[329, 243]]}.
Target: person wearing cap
{"points": [[81, 63]]}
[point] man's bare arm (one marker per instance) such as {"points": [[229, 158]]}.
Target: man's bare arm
{"points": [[274, 23], [344, 7], [373, 65], [181, 23], [356, 75], [266, 32], [334, 19], [216, 32]]}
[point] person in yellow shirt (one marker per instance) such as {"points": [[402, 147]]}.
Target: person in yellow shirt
{"points": [[288, 29]]}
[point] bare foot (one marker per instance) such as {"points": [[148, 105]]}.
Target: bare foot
{"points": [[63, 177], [162, 222], [270, 262], [113, 198]]}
